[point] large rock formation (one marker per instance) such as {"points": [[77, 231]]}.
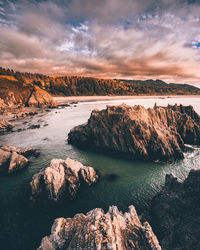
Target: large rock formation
{"points": [[18, 94], [14, 159], [61, 177], [175, 213], [138, 133], [5, 126], [97, 230]]}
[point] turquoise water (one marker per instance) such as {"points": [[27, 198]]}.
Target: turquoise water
{"points": [[23, 225]]}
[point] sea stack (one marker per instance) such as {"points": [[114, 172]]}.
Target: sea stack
{"points": [[61, 178], [137, 133]]}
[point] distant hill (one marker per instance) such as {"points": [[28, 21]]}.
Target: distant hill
{"points": [[76, 85]]}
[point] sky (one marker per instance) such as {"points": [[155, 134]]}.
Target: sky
{"points": [[129, 39]]}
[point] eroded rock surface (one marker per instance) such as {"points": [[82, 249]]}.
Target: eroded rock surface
{"points": [[14, 159], [99, 230], [62, 177], [5, 126], [18, 94], [138, 133], [175, 212]]}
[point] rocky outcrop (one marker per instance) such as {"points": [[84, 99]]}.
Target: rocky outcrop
{"points": [[14, 159], [175, 212], [138, 133], [40, 98], [18, 94], [97, 230], [5, 126], [61, 178]]}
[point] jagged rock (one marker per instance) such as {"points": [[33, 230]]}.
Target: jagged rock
{"points": [[175, 212], [97, 230], [61, 177], [5, 126], [14, 159], [138, 133]]}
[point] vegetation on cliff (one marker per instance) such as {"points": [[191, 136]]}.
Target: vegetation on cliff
{"points": [[77, 85]]}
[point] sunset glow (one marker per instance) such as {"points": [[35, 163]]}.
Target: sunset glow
{"points": [[105, 39]]}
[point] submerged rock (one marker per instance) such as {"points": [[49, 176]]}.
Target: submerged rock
{"points": [[138, 133], [61, 177], [97, 230], [34, 126], [175, 212], [5, 126], [14, 159]]}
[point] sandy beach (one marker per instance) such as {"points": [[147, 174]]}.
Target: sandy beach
{"points": [[67, 99]]}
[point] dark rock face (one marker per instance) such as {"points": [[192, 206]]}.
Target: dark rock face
{"points": [[97, 230], [5, 126], [14, 159], [139, 133], [61, 177], [175, 213]]}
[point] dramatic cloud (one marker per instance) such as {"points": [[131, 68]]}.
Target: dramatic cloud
{"points": [[136, 39]]}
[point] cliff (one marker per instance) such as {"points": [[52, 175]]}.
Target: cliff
{"points": [[138, 133], [17, 94], [99, 230], [175, 212]]}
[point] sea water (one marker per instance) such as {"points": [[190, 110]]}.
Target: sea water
{"points": [[23, 225]]}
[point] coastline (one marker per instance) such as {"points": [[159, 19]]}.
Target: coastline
{"points": [[66, 99]]}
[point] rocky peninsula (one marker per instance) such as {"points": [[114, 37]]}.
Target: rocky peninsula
{"points": [[61, 178], [158, 133], [99, 230], [14, 159], [175, 212]]}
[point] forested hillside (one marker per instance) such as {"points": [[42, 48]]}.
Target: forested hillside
{"points": [[77, 85]]}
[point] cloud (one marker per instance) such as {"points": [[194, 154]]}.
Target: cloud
{"points": [[108, 38]]}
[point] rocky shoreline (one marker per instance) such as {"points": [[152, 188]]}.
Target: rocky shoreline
{"points": [[159, 134], [14, 159], [5, 126]]}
